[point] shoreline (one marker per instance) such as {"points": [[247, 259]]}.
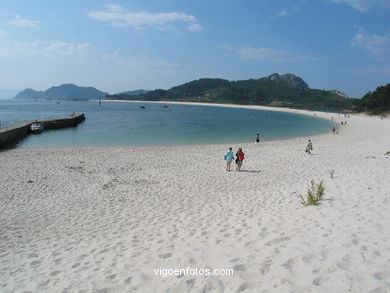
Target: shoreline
{"points": [[256, 107]]}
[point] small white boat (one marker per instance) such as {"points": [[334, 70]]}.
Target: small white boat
{"points": [[36, 127]]}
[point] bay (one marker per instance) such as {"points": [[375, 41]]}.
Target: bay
{"points": [[127, 124]]}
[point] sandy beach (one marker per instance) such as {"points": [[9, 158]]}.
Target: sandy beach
{"points": [[105, 219]]}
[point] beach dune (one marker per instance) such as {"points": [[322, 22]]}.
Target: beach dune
{"points": [[106, 219]]}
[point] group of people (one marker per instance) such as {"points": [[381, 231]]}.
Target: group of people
{"points": [[229, 158]]}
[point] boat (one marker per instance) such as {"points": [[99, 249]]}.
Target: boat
{"points": [[164, 106], [143, 107], [36, 127]]}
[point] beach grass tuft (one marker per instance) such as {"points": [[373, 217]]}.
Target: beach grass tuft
{"points": [[314, 194]]}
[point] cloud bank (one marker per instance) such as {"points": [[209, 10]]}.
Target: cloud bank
{"points": [[118, 17], [43, 48], [364, 5], [269, 54], [378, 46], [21, 22]]}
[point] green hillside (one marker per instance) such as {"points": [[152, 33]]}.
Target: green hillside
{"points": [[377, 102], [277, 90]]}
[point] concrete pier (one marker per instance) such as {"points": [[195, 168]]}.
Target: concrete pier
{"points": [[12, 134]]}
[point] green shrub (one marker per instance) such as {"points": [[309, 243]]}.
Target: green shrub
{"points": [[314, 194]]}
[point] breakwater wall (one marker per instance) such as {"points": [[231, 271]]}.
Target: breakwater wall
{"points": [[12, 134]]}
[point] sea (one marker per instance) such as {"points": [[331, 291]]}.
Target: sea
{"points": [[112, 123]]}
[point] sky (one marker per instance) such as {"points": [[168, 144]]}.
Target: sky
{"points": [[122, 45]]}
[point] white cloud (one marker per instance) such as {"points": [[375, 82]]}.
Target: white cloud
{"points": [[269, 54], [377, 45], [282, 13], [364, 5], [137, 61], [19, 21], [145, 61], [195, 27], [66, 48], [263, 54], [118, 17], [227, 49], [43, 48], [2, 33]]}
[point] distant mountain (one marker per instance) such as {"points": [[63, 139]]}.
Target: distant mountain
{"points": [[286, 90], [65, 91], [135, 92], [290, 79], [29, 94], [377, 102]]}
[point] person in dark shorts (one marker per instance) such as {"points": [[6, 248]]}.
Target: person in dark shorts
{"points": [[309, 147], [239, 158]]}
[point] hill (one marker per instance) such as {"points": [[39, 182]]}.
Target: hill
{"points": [[377, 102], [29, 94], [65, 91], [277, 90], [135, 92]]}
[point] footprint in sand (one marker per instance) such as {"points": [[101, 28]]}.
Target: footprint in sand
{"points": [[319, 280], [35, 263], [239, 267], [111, 277], [190, 284], [245, 286], [266, 266], [289, 264], [166, 255], [382, 275], [55, 273], [32, 255], [43, 285]]}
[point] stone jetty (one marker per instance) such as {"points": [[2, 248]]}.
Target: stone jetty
{"points": [[12, 134]]}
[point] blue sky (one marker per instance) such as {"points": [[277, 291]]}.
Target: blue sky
{"points": [[126, 45]]}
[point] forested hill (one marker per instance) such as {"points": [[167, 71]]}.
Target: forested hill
{"points": [[65, 91], [377, 102], [277, 90]]}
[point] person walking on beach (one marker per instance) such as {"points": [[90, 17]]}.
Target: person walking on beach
{"points": [[229, 158], [257, 138], [309, 147], [239, 158]]}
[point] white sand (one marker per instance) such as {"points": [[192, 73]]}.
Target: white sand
{"points": [[102, 219]]}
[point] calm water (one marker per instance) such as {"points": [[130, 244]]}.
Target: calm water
{"points": [[126, 124]]}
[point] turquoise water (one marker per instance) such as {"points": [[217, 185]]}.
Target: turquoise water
{"points": [[126, 124]]}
